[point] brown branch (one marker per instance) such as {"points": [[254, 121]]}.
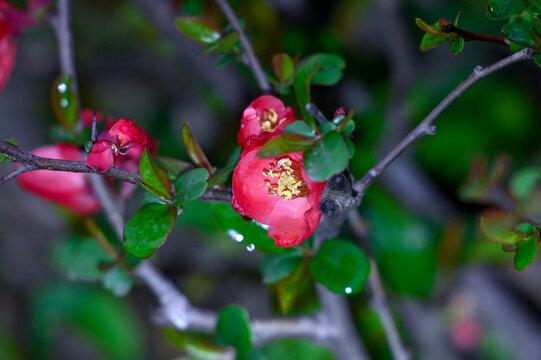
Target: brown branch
{"points": [[470, 36], [426, 127], [253, 63]]}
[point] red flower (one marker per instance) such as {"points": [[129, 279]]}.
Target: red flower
{"points": [[69, 189], [121, 145], [278, 193], [266, 115]]}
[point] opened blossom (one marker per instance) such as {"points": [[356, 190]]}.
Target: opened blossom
{"points": [[276, 191], [264, 117], [121, 145], [71, 190]]}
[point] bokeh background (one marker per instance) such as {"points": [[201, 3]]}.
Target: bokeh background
{"points": [[455, 295]]}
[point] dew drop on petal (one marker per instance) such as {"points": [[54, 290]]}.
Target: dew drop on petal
{"points": [[250, 247], [64, 102], [263, 226], [235, 235], [348, 290], [62, 87]]}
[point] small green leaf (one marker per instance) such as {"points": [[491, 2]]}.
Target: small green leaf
{"points": [[172, 167], [6, 158], [433, 38], [225, 44], [224, 60], [118, 281], [523, 182], [351, 147], [525, 229], [501, 9], [327, 127], [191, 185], [525, 253], [519, 29], [329, 70], [283, 144], [154, 178], [348, 129], [195, 345], [148, 229], [283, 67], [197, 30], [65, 105], [276, 267], [341, 266], [301, 84], [80, 259], [299, 127], [497, 227], [288, 287], [327, 158], [457, 45], [537, 59], [221, 176], [233, 328], [194, 150]]}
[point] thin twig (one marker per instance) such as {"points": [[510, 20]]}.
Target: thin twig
{"points": [[426, 127], [18, 171], [470, 36], [253, 62]]}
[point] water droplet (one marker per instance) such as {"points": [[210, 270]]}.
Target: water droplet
{"points": [[64, 102], [62, 87], [235, 235], [348, 290], [263, 226], [250, 247]]}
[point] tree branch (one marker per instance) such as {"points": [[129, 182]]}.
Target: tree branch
{"points": [[469, 36], [253, 62], [426, 127]]}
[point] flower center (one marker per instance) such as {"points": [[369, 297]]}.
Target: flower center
{"points": [[270, 121], [284, 179]]}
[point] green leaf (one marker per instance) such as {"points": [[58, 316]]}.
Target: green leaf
{"points": [[283, 67], [194, 150], [537, 59], [327, 127], [80, 258], [283, 144], [288, 287], [118, 281], [431, 40], [501, 9], [457, 45], [351, 147], [247, 232], [148, 229], [224, 60], [348, 129], [5, 158], [172, 167], [154, 177], [298, 349], [221, 176], [65, 105], [523, 182], [197, 30], [327, 158], [341, 266], [195, 345], [525, 253], [329, 70], [233, 328], [191, 185], [497, 227], [276, 267], [225, 44], [519, 29], [300, 128]]}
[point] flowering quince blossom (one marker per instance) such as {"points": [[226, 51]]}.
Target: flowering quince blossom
{"points": [[71, 190], [121, 145], [274, 191], [12, 24], [265, 116]]}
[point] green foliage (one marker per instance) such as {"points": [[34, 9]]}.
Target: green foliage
{"points": [[295, 349], [88, 313], [148, 229], [80, 258], [521, 29], [498, 227], [285, 143], [283, 67], [248, 232], [195, 152], [341, 266], [154, 178], [300, 128], [523, 182], [327, 158], [197, 30], [526, 252], [194, 345], [276, 267], [289, 287], [225, 44], [5, 158], [118, 281], [64, 101], [190, 186], [233, 328]]}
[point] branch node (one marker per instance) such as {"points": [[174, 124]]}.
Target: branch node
{"points": [[373, 173], [479, 71], [431, 130]]}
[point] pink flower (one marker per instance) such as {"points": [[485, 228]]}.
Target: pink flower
{"points": [[71, 190], [121, 145], [266, 116], [278, 193]]}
